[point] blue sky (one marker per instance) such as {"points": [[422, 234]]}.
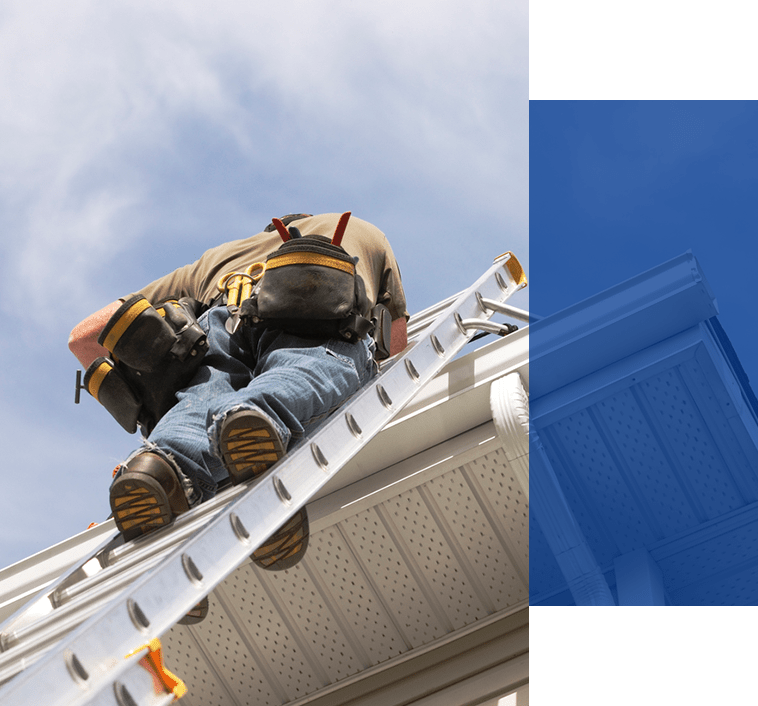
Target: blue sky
{"points": [[133, 136], [617, 187]]}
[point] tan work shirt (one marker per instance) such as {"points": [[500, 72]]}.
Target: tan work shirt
{"points": [[376, 263]]}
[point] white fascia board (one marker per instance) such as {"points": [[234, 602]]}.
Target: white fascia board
{"points": [[451, 404], [729, 395], [477, 369], [620, 321], [500, 679], [735, 402], [400, 477]]}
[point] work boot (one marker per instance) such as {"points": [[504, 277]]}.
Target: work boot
{"points": [[286, 547], [146, 496], [249, 447], [197, 614]]}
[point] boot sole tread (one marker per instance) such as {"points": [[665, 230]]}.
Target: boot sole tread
{"points": [[139, 505]]}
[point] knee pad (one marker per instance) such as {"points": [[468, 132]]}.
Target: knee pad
{"points": [[137, 335], [112, 390]]}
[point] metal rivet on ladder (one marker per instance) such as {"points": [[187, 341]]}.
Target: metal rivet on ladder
{"points": [[239, 529], [123, 697], [190, 568], [355, 430], [438, 347], [385, 399], [319, 456], [501, 282], [138, 617], [282, 491], [76, 668], [410, 368]]}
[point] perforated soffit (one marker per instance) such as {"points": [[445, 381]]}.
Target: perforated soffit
{"points": [[380, 585]]}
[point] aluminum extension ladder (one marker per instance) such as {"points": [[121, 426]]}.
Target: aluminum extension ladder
{"points": [[92, 636]]}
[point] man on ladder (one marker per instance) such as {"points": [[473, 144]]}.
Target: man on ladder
{"points": [[227, 362]]}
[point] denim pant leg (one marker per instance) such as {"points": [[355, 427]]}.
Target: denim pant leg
{"points": [[181, 435], [297, 382]]}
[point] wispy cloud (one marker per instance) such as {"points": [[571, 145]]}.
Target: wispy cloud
{"points": [[93, 94]]}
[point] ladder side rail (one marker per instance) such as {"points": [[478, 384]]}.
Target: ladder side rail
{"points": [[70, 606], [424, 318], [40, 603], [75, 611], [42, 637], [157, 600], [109, 561]]}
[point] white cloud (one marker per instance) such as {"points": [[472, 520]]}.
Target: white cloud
{"points": [[92, 92]]}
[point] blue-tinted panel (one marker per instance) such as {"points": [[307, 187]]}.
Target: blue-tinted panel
{"points": [[644, 235]]}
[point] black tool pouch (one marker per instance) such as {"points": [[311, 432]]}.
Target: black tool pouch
{"points": [[310, 288], [381, 321], [156, 352]]}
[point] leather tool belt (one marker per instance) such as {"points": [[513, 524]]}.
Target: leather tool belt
{"points": [[308, 287]]}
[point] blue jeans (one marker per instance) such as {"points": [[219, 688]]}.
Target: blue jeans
{"points": [[295, 382]]}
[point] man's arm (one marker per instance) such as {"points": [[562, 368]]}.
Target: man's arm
{"points": [[83, 339], [399, 335]]}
